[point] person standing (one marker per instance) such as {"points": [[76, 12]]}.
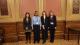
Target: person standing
{"points": [[36, 26], [27, 26], [44, 22], [52, 26]]}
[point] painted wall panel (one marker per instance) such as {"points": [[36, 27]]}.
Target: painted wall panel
{"points": [[54, 5]]}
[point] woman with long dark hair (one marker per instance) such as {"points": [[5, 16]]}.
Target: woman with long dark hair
{"points": [[27, 26], [44, 22]]}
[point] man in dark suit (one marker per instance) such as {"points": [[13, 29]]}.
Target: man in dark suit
{"points": [[44, 22], [52, 25]]}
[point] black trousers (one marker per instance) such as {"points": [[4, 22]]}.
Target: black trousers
{"points": [[28, 36], [52, 34], [45, 34], [36, 29]]}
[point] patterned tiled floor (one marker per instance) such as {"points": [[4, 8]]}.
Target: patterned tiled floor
{"points": [[56, 42]]}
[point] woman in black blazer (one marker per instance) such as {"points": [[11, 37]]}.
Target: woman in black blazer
{"points": [[44, 22], [52, 26], [27, 26]]}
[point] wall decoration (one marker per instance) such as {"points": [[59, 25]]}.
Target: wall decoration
{"points": [[3, 7], [76, 5]]}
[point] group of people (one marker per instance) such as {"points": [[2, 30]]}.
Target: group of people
{"points": [[44, 23]]}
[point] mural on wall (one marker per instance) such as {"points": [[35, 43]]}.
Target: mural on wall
{"points": [[3, 7], [75, 7]]}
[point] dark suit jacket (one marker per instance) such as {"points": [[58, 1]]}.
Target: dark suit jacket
{"points": [[45, 21], [27, 23], [52, 20]]}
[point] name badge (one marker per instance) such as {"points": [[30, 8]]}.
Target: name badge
{"points": [[51, 23], [26, 28], [36, 22]]}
